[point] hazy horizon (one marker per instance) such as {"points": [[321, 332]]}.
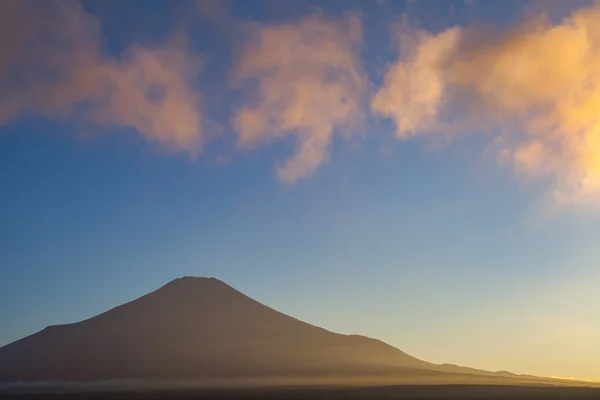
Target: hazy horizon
{"points": [[422, 172]]}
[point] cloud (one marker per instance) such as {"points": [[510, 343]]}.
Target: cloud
{"points": [[536, 86], [308, 83], [413, 88], [52, 64]]}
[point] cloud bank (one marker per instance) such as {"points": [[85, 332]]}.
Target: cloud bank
{"points": [[535, 87], [52, 63]]}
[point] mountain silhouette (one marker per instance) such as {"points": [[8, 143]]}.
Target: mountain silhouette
{"points": [[199, 328]]}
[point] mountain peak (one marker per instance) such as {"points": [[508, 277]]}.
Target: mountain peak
{"points": [[190, 292], [196, 281]]}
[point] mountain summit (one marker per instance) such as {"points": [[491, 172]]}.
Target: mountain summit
{"points": [[194, 328]]}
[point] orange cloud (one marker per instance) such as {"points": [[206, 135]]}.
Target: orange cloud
{"points": [[413, 87], [309, 83], [51, 63], [537, 86]]}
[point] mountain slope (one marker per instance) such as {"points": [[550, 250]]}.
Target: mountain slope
{"points": [[193, 328]]}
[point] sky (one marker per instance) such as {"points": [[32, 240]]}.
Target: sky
{"points": [[423, 172]]}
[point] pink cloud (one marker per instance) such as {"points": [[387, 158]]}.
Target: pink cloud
{"points": [[51, 63], [309, 84]]}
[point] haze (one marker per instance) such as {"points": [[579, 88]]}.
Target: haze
{"points": [[426, 173]]}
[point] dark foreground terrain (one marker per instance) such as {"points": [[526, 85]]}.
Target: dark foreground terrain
{"points": [[371, 393]]}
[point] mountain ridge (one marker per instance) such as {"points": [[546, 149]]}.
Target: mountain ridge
{"points": [[195, 328]]}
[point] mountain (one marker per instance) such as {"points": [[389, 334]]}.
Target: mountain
{"points": [[201, 328], [191, 327]]}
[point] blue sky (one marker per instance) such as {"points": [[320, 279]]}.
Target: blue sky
{"points": [[436, 247]]}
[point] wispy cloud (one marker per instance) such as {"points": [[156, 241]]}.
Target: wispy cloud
{"points": [[308, 83], [51, 63], [536, 86], [413, 87]]}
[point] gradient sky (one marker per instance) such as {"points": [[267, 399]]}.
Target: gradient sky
{"points": [[423, 172]]}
